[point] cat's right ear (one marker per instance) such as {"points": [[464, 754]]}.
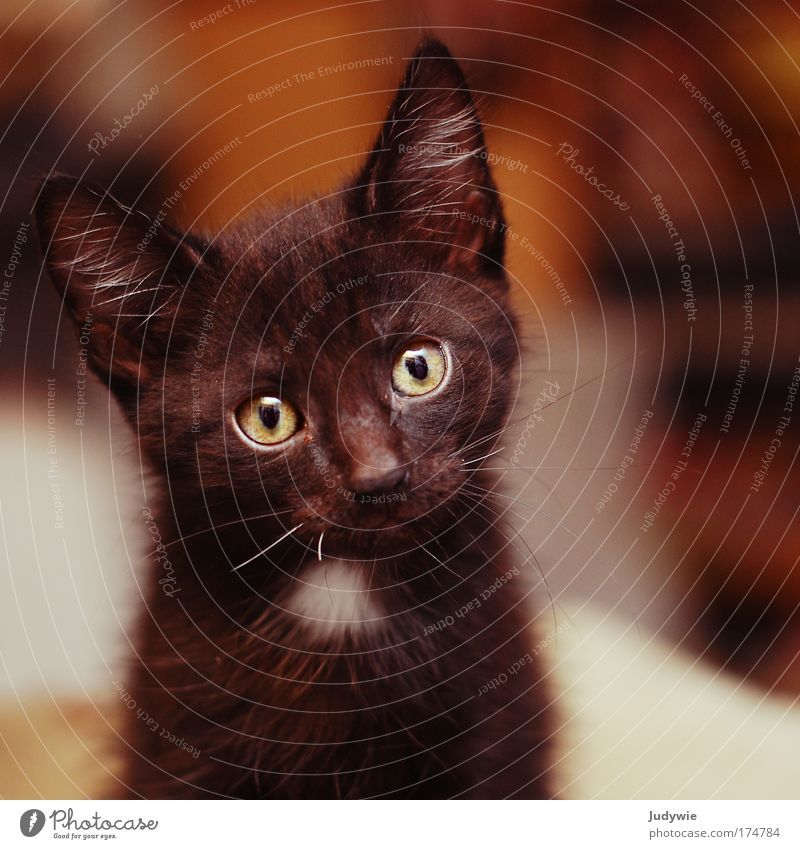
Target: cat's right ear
{"points": [[118, 271], [427, 180]]}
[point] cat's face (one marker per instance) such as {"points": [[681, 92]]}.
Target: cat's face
{"points": [[334, 365]]}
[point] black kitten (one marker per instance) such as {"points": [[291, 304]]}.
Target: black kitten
{"points": [[317, 388]]}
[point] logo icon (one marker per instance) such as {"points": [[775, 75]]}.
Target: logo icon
{"points": [[31, 822]]}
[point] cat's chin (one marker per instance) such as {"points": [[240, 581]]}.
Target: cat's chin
{"points": [[360, 545], [392, 538], [391, 531]]}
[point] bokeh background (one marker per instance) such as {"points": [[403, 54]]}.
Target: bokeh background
{"points": [[659, 489]]}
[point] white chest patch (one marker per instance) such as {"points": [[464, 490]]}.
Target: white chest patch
{"points": [[332, 596]]}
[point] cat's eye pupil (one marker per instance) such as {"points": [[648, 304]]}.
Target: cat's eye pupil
{"points": [[268, 420], [417, 366], [270, 415]]}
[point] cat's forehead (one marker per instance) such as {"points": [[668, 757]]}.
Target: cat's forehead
{"points": [[319, 271]]}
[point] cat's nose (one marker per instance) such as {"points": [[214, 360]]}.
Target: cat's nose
{"points": [[370, 480]]}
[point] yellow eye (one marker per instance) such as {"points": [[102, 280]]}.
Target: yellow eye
{"points": [[268, 420], [419, 369]]}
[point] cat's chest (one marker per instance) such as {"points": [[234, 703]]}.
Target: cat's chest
{"points": [[331, 598]]}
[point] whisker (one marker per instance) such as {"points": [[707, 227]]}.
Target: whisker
{"points": [[369, 586], [588, 382], [484, 494], [432, 573], [211, 528], [545, 406], [271, 545], [493, 435], [319, 547], [485, 456], [512, 467], [482, 502], [517, 535], [440, 562], [473, 503], [510, 498]]}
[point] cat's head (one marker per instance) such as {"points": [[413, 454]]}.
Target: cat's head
{"points": [[334, 364]]}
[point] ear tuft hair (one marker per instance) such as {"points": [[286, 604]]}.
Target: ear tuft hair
{"points": [[428, 173], [116, 267]]}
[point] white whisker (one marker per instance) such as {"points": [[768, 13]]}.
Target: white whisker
{"points": [[440, 562], [215, 527], [485, 456], [271, 545], [319, 546]]}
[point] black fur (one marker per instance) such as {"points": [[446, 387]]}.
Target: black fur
{"points": [[397, 710]]}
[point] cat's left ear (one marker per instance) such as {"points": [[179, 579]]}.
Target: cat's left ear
{"points": [[428, 177], [119, 271]]}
